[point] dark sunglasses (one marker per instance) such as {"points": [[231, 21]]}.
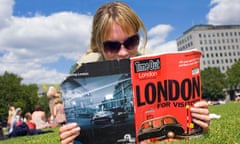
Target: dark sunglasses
{"points": [[114, 46]]}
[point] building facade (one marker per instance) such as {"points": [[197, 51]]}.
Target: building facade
{"points": [[220, 44]]}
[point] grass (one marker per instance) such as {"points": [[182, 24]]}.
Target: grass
{"points": [[48, 138], [225, 130]]}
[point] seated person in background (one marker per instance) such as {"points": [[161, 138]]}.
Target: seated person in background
{"points": [[32, 126], [29, 121], [39, 118], [18, 126], [16, 119], [11, 111]]}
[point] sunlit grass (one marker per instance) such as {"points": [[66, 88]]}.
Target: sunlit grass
{"points": [[47, 138]]}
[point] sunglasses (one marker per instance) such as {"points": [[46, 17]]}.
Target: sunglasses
{"points": [[114, 46]]}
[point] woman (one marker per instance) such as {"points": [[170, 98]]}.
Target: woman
{"points": [[115, 35], [11, 111], [39, 118], [58, 112], [16, 120]]}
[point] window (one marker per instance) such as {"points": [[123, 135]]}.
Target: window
{"points": [[214, 41], [226, 33], [206, 48], [234, 53], [205, 41], [213, 62], [227, 40]]}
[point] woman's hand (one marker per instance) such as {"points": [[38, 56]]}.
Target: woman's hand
{"points": [[68, 133], [200, 115]]}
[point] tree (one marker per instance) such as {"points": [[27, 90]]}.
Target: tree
{"points": [[12, 91], [213, 83], [43, 102], [233, 75]]}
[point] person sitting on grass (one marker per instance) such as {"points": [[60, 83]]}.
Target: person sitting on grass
{"points": [[18, 126], [32, 126]]}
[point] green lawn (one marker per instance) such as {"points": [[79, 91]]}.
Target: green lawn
{"points": [[225, 130], [48, 138]]}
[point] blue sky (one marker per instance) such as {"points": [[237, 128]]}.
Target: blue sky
{"points": [[41, 39]]}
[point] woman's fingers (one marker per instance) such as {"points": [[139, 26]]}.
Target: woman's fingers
{"points": [[68, 133], [200, 115]]}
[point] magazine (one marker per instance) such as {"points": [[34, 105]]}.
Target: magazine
{"points": [[164, 88], [98, 96], [124, 101]]}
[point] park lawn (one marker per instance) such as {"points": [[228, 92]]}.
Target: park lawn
{"points": [[47, 138], [225, 130]]}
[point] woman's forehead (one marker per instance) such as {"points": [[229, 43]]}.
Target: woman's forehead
{"points": [[117, 32]]}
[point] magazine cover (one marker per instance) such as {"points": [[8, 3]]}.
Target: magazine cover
{"points": [[98, 96], [164, 88]]}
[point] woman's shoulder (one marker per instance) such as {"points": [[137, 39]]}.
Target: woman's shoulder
{"points": [[89, 57]]}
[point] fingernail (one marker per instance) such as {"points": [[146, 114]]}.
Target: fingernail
{"points": [[196, 104]]}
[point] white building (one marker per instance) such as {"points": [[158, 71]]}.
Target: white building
{"points": [[220, 44]]}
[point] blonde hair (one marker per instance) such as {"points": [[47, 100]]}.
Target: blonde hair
{"points": [[58, 100], [114, 12]]}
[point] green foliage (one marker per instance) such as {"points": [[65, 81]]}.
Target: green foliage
{"points": [[213, 83], [233, 75], [12, 91], [43, 102]]}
